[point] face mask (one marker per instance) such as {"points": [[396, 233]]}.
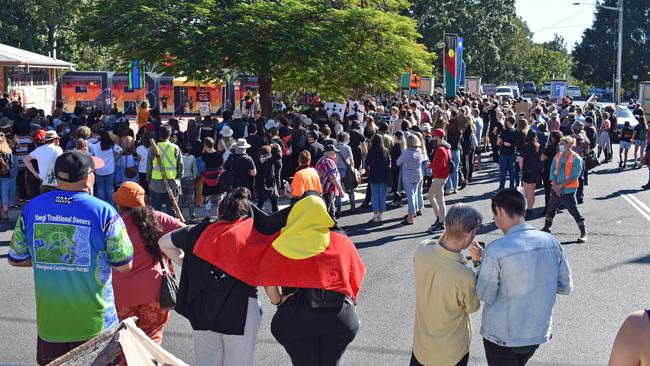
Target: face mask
{"points": [[561, 147]]}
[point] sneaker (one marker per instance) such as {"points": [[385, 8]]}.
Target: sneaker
{"points": [[439, 227], [546, 229], [582, 239]]}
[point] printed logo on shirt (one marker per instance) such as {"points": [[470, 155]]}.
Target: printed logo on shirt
{"points": [[64, 200]]}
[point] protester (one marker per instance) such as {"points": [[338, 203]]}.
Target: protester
{"points": [[379, 175], [190, 173], [529, 161], [315, 148], [93, 243], [45, 156], [440, 167], [604, 140], [224, 312], [398, 148], [137, 293], [445, 292], [507, 141], [411, 175], [640, 139], [455, 131], [547, 158], [566, 168], [171, 165], [631, 343], [330, 178], [270, 175], [305, 178], [344, 162], [142, 151], [242, 165], [511, 300], [7, 164]]}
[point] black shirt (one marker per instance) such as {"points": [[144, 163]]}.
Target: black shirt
{"points": [[209, 298], [242, 164], [453, 138], [379, 167], [212, 160], [508, 135], [316, 150], [532, 161]]}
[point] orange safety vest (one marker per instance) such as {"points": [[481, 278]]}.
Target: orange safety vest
{"points": [[568, 167]]}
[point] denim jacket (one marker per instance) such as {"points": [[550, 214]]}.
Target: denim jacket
{"points": [[520, 275]]}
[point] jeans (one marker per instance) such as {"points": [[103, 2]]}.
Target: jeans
{"points": [[13, 176], [157, 201], [506, 166], [329, 203], [419, 200], [378, 196], [452, 182], [104, 187], [437, 198], [411, 191], [187, 194], [5, 184], [468, 163], [338, 201], [507, 356]]}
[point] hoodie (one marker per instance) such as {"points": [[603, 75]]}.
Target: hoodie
{"points": [[440, 163]]}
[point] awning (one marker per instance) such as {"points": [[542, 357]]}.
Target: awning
{"points": [[12, 56]]}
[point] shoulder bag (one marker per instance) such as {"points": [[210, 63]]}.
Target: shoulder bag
{"points": [[351, 179], [169, 287]]}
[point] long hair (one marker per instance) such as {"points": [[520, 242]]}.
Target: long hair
{"points": [[105, 142], [149, 228], [532, 139], [4, 145], [377, 148]]}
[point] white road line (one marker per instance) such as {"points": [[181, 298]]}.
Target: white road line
{"points": [[641, 204], [631, 200]]}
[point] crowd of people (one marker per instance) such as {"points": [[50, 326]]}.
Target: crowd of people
{"points": [[125, 189]]}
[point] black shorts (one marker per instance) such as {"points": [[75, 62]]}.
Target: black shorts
{"points": [[47, 352], [530, 177]]}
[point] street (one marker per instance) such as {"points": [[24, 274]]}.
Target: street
{"points": [[609, 273]]}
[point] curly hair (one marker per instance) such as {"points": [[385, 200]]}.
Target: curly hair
{"points": [[149, 228]]}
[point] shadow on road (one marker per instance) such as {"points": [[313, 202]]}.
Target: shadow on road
{"points": [[640, 260], [617, 194]]}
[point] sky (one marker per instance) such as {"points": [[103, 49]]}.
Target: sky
{"points": [[547, 17]]}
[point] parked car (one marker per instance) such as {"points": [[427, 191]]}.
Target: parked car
{"points": [[515, 91], [573, 91], [505, 91], [623, 114], [529, 87], [599, 92]]}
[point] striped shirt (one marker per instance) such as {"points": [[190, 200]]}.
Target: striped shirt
{"points": [[22, 149], [411, 163]]}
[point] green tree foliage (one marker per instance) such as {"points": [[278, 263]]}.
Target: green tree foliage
{"points": [[595, 56], [50, 28], [498, 44], [334, 47]]}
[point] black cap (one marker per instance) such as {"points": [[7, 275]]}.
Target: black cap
{"points": [[331, 147], [313, 135], [74, 166]]}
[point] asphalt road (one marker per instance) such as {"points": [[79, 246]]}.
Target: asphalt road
{"points": [[610, 275]]}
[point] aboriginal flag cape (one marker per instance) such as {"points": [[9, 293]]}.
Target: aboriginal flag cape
{"points": [[299, 246]]}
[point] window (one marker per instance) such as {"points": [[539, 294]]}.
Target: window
{"points": [[23, 76]]}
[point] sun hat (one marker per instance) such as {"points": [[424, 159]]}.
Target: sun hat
{"points": [[241, 144], [50, 135], [226, 131], [130, 194]]}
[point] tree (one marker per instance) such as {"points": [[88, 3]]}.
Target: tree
{"points": [[595, 55], [296, 43]]}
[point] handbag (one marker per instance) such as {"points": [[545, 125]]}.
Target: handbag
{"points": [[351, 178], [168, 288], [591, 160]]}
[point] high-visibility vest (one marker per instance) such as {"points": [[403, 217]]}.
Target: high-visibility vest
{"points": [[568, 167], [168, 159]]}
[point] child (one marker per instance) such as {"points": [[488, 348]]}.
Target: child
{"points": [[626, 142], [189, 175]]}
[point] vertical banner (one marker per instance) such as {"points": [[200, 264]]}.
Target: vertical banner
{"points": [[459, 62], [462, 73], [406, 80], [136, 76], [450, 64]]}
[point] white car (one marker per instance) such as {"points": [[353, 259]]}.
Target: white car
{"points": [[505, 92], [573, 91]]}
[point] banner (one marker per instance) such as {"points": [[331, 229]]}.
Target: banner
{"points": [[139, 349], [459, 62], [136, 75], [450, 65], [462, 73], [333, 107]]}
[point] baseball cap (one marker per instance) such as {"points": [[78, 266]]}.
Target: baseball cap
{"points": [[438, 132], [38, 136], [331, 147], [74, 166], [313, 135]]}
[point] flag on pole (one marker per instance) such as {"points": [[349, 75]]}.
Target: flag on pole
{"points": [[450, 64], [136, 75], [462, 74], [459, 61]]}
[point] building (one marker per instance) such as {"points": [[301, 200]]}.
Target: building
{"points": [[29, 77]]}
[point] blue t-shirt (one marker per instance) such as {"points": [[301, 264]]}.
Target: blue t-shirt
{"points": [[73, 240]]}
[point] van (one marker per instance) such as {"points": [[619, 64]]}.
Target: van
{"points": [[529, 87]]}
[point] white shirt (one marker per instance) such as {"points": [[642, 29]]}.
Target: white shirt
{"points": [[108, 156], [143, 153], [45, 156]]}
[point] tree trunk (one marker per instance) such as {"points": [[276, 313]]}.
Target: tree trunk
{"points": [[266, 94], [52, 32]]}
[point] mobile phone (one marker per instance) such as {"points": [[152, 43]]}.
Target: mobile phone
{"points": [[482, 244]]}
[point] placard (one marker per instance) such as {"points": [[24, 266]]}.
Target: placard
{"points": [[333, 107], [204, 109]]}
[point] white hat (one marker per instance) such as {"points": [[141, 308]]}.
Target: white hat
{"points": [[305, 120], [226, 131], [270, 124], [241, 144], [425, 127], [338, 128]]}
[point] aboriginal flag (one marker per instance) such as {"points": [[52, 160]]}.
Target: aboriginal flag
{"points": [[451, 64], [299, 246]]}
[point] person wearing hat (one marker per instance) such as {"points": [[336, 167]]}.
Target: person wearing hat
{"points": [[72, 240], [137, 293], [45, 156], [226, 142], [440, 173], [242, 165], [172, 166], [330, 179], [316, 149]]}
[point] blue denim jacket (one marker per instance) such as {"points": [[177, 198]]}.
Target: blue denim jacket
{"points": [[520, 275]]}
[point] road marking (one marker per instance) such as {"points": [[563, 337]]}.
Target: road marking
{"points": [[638, 205]]}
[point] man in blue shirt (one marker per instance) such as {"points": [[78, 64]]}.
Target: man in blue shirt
{"points": [[566, 170], [519, 277]]}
